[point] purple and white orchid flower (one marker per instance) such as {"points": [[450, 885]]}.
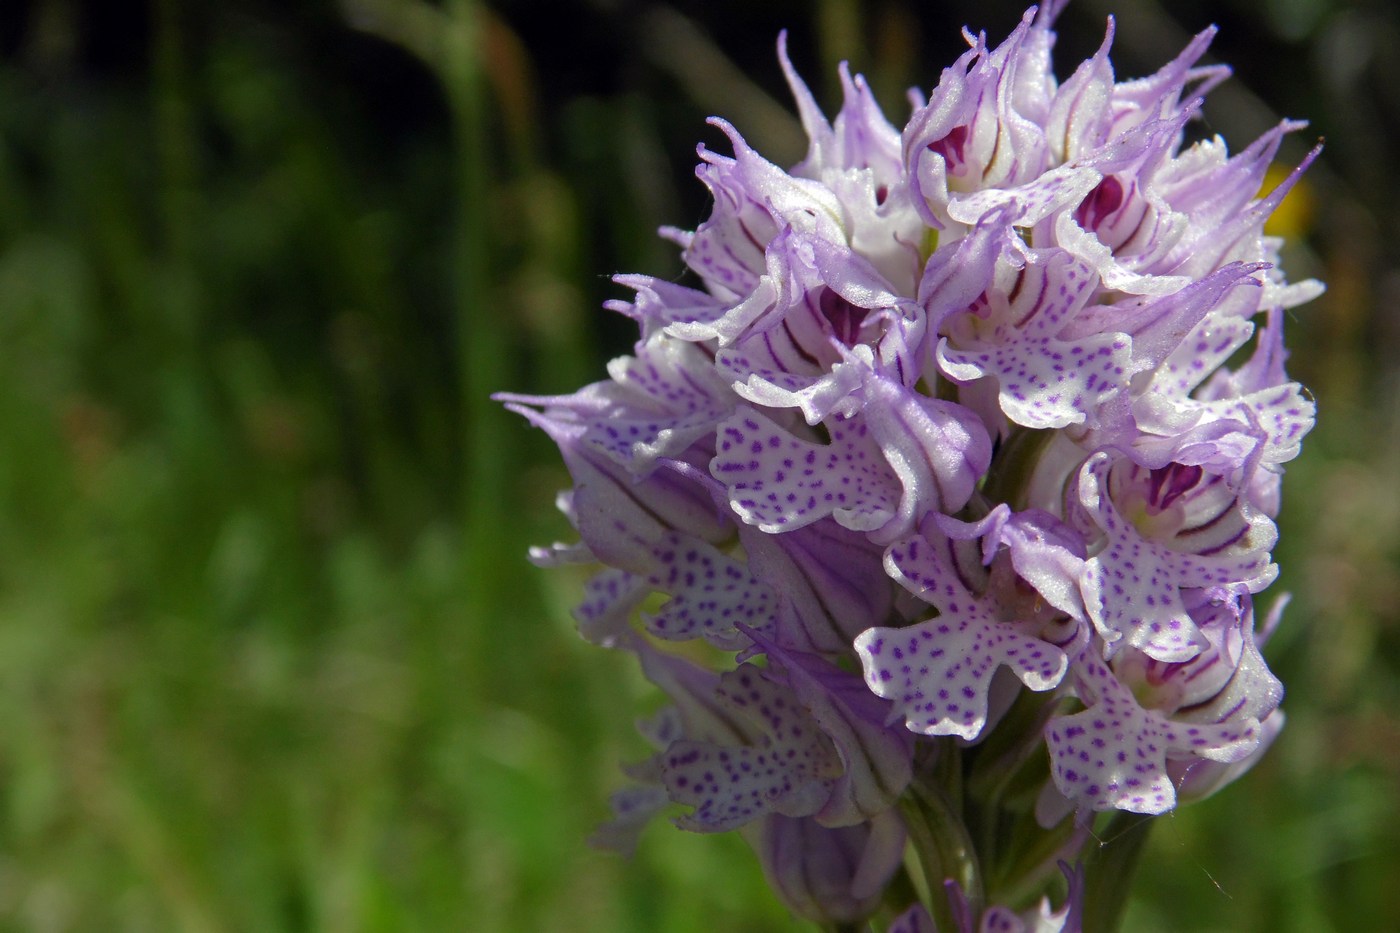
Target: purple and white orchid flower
{"points": [[939, 449]]}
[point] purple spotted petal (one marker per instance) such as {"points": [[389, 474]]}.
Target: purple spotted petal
{"points": [[711, 593], [779, 482], [1132, 587], [877, 762], [1113, 754], [1044, 382], [938, 672], [1198, 778], [609, 598], [787, 769]]}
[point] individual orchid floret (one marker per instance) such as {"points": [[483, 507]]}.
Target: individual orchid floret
{"points": [[693, 711], [810, 742], [1031, 566], [783, 763], [1113, 754], [754, 201], [857, 156], [904, 457], [1011, 335], [1227, 688], [1192, 409], [814, 306], [1165, 531], [1259, 396], [877, 761], [610, 508], [658, 304], [971, 135], [938, 672], [1227, 679], [657, 535], [1159, 219], [1146, 421], [657, 404]]}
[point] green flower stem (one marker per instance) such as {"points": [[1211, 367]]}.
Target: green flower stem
{"points": [[1110, 869], [1031, 860], [944, 845], [1017, 740], [900, 893], [1009, 476]]}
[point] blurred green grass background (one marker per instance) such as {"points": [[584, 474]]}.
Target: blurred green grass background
{"points": [[270, 655]]}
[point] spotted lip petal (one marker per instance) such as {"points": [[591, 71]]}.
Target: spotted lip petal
{"points": [[905, 456], [877, 761], [1113, 755], [1043, 381], [801, 739], [712, 594], [937, 673], [786, 766], [1132, 587], [778, 482]]}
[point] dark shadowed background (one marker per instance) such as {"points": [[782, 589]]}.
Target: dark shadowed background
{"points": [[270, 655]]}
